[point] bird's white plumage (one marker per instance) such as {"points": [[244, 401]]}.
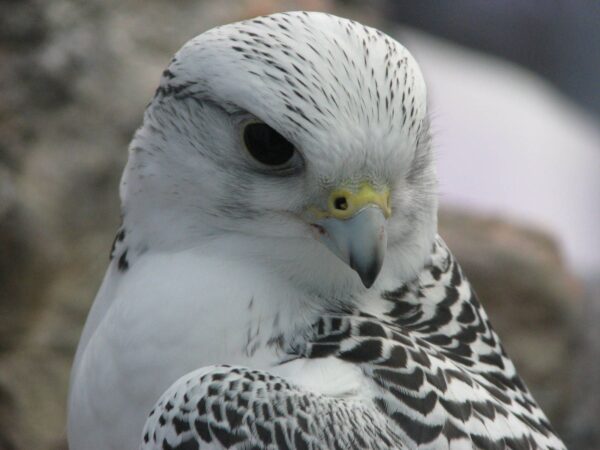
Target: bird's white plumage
{"points": [[219, 261]]}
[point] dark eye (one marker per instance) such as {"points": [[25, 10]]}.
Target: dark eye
{"points": [[266, 145]]}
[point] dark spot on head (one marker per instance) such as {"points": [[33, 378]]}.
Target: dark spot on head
{"points": [[123, 264]]}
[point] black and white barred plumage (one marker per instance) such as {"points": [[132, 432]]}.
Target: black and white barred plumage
{"points": [[435, 371]]}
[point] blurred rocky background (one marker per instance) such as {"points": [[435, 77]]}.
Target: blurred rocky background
{"points": [[75, 76]]}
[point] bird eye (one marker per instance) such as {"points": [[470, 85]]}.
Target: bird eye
{"points": [[266, 145]]}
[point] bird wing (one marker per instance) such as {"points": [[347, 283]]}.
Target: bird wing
{"points": [[221, 407]]}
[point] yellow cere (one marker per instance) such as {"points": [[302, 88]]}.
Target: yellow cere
{"points": [[344, 203]]}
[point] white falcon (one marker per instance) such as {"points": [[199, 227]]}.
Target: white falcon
{"points": [[278, 281]]}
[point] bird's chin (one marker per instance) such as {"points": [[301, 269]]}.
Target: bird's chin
{"points": [[319, 271], [295, 249]]}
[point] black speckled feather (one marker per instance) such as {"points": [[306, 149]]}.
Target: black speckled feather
{"points": [[435, 370]]}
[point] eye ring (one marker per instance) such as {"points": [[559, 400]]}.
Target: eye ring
{"points": [[267, 146]]}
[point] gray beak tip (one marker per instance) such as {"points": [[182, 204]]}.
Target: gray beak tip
{"points": [[359, 241], [368, 274]]}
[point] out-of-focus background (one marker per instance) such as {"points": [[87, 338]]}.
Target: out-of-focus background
{"points": [[515, 101]]}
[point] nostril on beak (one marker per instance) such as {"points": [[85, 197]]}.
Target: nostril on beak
{"points": [[340, 203]]}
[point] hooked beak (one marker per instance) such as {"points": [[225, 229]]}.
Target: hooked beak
{"points": [[354, 230]]}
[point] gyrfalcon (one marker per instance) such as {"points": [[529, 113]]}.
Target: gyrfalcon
{"points": [[278, 281]]}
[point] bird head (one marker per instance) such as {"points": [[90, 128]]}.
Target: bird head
{"points": [[302, 139]]}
